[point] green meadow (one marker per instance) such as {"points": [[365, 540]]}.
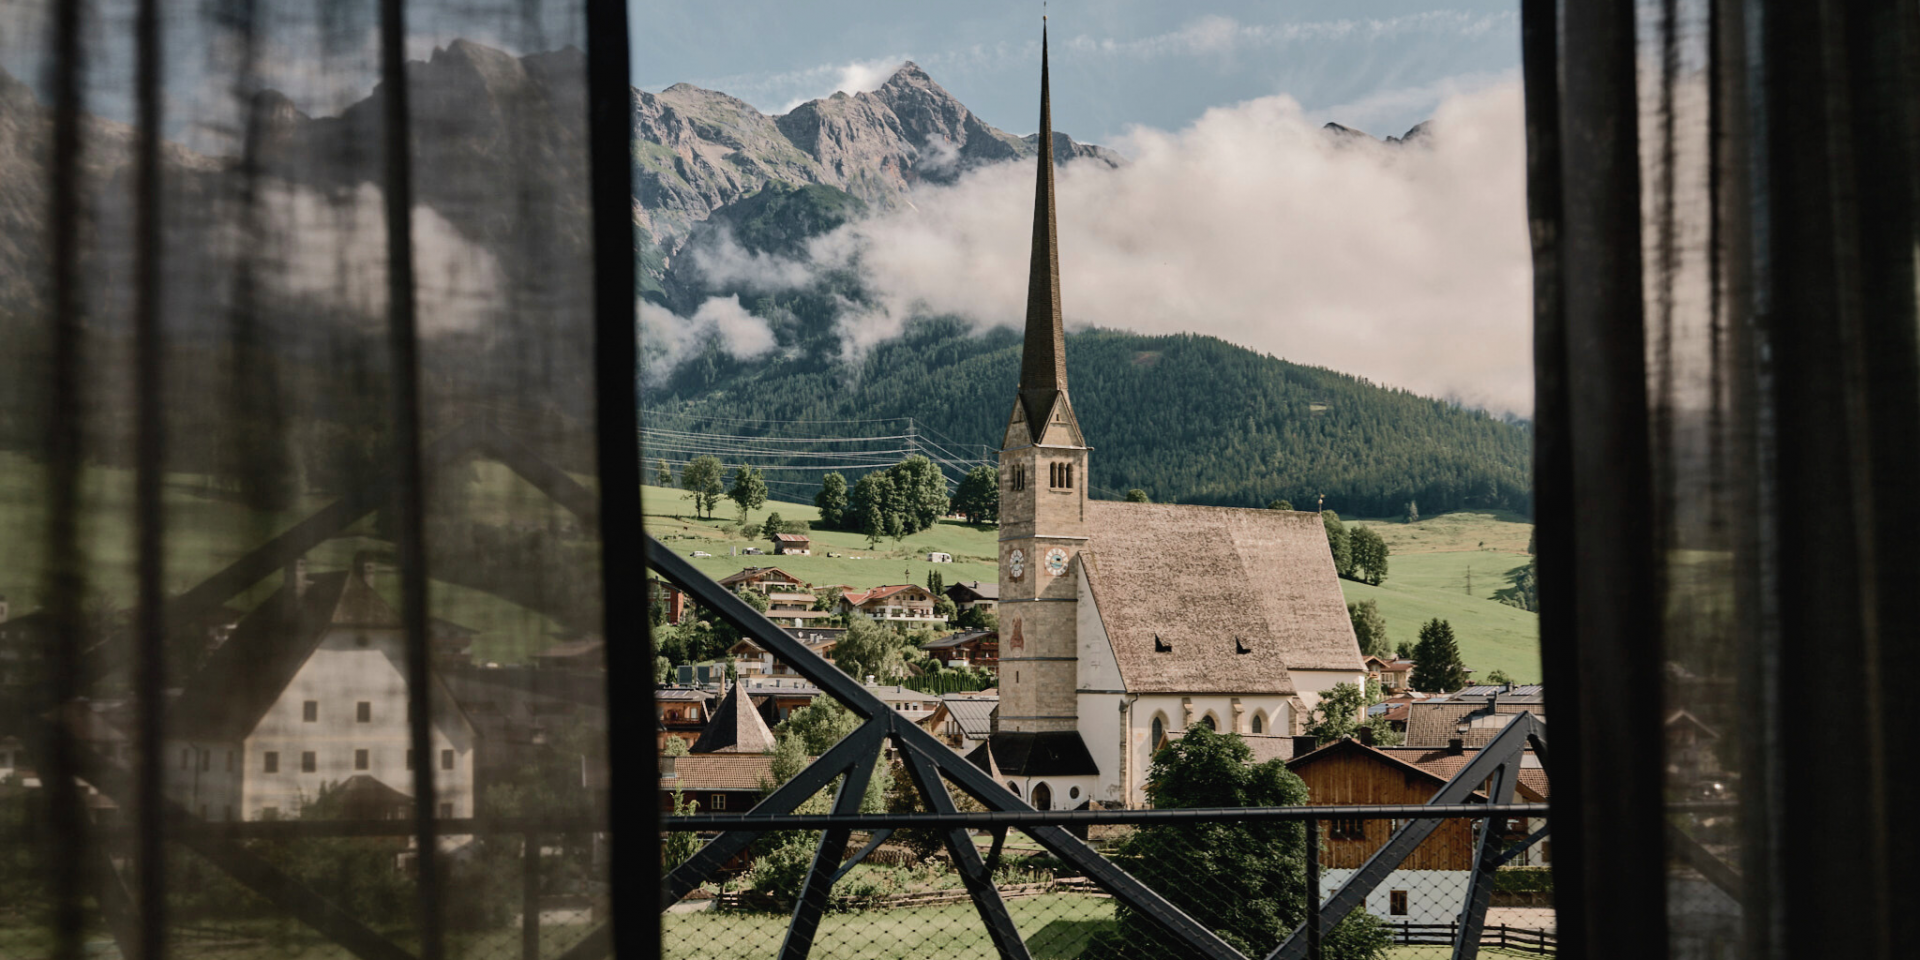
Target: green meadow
{"points": [[1449, 567]]}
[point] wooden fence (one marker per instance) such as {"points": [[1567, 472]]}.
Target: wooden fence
{"points": [[1499, 936]]}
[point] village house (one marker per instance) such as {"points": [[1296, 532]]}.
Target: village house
{"points": [[671, 598], [1429, 886], [795, 544], [715, 782], [973, 648], [777, 699], [1122, 625], [310, 692], [968, 594], [963, 721], [764, 580], [1474, 715], [752, 660], [1390, 673], [912, 704], [903, 605], [681, 713]]}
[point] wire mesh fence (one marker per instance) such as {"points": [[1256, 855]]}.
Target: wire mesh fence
{"points": [[898, 894]]}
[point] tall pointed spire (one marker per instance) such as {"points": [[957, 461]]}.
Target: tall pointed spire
{"points": [[1043, 362]]}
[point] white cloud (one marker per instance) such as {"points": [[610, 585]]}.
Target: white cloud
{"points": [[1408, 266], [666, 339]]}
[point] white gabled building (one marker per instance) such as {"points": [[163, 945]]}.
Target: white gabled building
{"points": [[311, 692]]}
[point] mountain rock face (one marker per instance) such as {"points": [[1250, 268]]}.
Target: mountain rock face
{"points": [[697, 150]]}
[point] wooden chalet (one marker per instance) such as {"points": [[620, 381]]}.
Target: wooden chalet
{"points": [[681, 713], [975, 648]]}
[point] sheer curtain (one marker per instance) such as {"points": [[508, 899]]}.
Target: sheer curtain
{"points": [[309, 382], [1723, 202]]}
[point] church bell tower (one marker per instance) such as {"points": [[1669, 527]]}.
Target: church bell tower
{"points": [[1043, 493]]}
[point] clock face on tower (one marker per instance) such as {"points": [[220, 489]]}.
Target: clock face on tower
{"points": [[1016, 563], [1056, 561]]}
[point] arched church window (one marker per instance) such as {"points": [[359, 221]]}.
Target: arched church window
{"points": [[1210, 723], [1013, 787], [1159, 733], [1259, 725], [1068, 470], [1042, 797]]}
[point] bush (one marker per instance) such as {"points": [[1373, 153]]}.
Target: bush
{"points": [[780, 872], [1523, 880]]}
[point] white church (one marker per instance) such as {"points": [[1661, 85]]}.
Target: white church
{"points": [[1122, 625]]}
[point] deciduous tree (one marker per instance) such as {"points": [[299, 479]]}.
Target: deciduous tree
{"points": [[1338, 543], [749, 491], [701, 477], [1369, 627], [1137, 495], [832, 500], [978, 496]]}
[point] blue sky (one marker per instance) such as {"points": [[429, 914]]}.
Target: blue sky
{"points": [[1381, 66]]}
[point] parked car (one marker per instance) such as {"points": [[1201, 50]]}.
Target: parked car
{"points": [[697, 554]]}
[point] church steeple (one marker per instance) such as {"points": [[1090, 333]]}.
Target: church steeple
{"points": [[1043, 361]]}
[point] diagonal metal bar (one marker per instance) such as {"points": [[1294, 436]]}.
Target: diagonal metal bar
{"points": [[1717, 871], [1506, 747], [966, 858], [1473, 917], [250, 869], [812, 902], [1521, 846], [879, 837], [809, 781]]}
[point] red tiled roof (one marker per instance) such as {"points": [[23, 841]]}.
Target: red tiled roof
{"points": [[859, 597]]}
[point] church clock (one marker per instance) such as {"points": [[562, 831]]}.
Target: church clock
{"points": [[1016, 563], [1056, 561]]}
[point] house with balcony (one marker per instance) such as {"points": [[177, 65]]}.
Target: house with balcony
{"points": [[681, 713], [752, 660], [903, 605], [1390, 673], [972, 648], [765, 580]]}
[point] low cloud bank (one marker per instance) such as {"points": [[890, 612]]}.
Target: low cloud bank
{"points": [[1407, 265]]}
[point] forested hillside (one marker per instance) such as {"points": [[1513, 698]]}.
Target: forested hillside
{"points": [[1186, 418]]}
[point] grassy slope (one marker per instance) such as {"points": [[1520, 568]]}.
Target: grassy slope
{"points": [[1428, 575], [670, 516]]}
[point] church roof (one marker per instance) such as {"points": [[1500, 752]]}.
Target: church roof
{"points": [[736, 727], [1059, 753], [1182, 590]]}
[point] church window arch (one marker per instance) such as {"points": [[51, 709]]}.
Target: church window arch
{"points": [[1211, 722], [1042, 796], [1159, 737], [1014, 787], [1259, 722]]}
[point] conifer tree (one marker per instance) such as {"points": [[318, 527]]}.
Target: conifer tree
{"points": [[1437, 667]]}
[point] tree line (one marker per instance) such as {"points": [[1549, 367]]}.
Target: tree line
{"points": [[1224, 426]]}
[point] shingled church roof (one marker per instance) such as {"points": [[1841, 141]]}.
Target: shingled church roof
{"points": [[736, 728], [1182, 589]]}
